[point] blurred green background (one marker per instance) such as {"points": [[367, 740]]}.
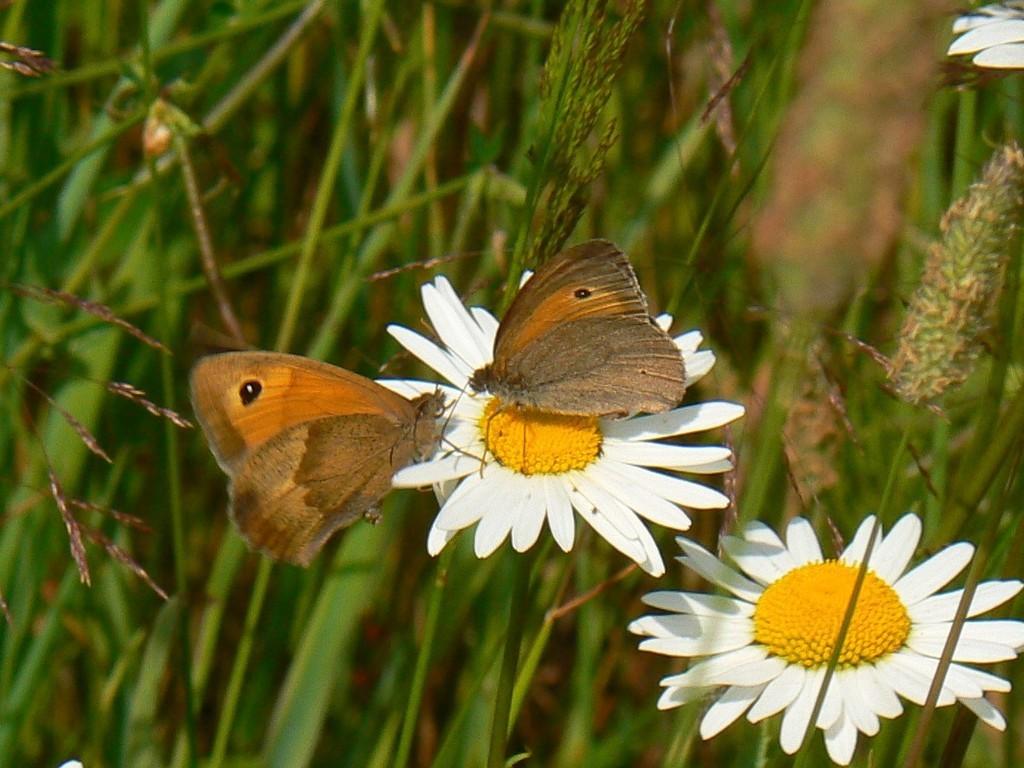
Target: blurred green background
{"points": [[775, 171]]}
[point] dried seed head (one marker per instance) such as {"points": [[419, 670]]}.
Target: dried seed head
{"points": [[953, 306]]}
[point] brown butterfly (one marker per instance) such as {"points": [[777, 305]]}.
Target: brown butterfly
{"points": [[309, 448], [578, 339]]}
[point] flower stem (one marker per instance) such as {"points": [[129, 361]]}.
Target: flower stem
{"points": [[509, 662], [238, 670], [419, 677]]}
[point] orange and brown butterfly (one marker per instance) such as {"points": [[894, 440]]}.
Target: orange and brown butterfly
{"points": [[309, 447], [578, 339]]}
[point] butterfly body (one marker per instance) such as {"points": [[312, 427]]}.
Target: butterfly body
{"points": [[578, 339], [309, 447]]}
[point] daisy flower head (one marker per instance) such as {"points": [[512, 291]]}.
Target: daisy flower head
{"points": [[509, 469], [767, 646], [993, 35]]}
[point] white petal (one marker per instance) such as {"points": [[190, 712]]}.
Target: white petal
{"points": [[414, 387], [727, 668], [987, 14], [689, 341], [764, 562], [699, 604], [705, 641], [675, 489], [987, 36], [437, 539], [876, 691], [798, 713], [1010, 56], [730, 706], [984, 680], [802, 542], [832, 706], [841, 740], [779, 693], [454, 325], [638, 498], [666, 625], [860, 712], [697, 365], [528, 526], [979, 641], [714, 570], [470, 500], [467, 505], [955, 683], [450, 467], [681, 421], [423, 348], [674, 697], [757, 532], [891, 558], [560, 518], [855, 551], [971, 21], [934, 573], [987, 596], [627, 546], [622, 518], [986, 712], [487, 322], [910, 677], [711, 468], [604, 503], [663, 455], [444, 490], [495, 526], [468, 408], [664, 321]]}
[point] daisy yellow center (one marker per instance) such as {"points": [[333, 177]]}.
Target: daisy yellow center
{"points": [[535, 442], [798, 617]]}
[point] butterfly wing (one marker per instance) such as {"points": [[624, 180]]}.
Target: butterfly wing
{"points": [[550, 297], [578, 339], [615, 368], [308, 481], [289, 390]]}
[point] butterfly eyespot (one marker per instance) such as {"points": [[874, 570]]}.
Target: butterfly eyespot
{"points": [[582, 293], [249, 391]]}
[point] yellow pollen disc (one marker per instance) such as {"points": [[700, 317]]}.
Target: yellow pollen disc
{"points": [[798, 617], [535, 442]]}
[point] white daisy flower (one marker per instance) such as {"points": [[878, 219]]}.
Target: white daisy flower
{"points": [[768, 646], [993, 33], [510, 469]]}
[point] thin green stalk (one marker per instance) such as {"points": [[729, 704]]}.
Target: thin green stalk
{"points": [[238, 25], [218, 585], [171, 445], [221, 111], [248, 265], [54, 175], [241, 663], [342, 130], [419, 677], [500, 722], [1006, 437], [341, 301]]}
